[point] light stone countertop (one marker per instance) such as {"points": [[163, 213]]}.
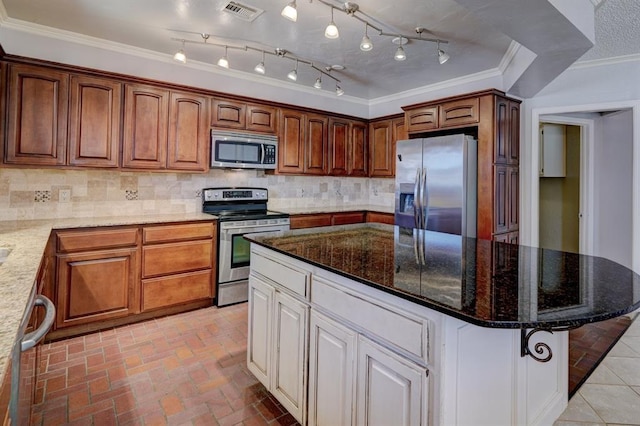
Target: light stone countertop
{"points": [[27, 241]]}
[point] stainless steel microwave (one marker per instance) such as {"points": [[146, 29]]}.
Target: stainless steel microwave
{"points": [[241, 150]]}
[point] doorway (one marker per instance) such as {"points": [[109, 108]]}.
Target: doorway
{"points": [[560, 186]]}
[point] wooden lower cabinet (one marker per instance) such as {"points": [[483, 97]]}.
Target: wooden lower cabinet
{"points": [[95, 286], [313, 220], [380, 217], [110, 276]]}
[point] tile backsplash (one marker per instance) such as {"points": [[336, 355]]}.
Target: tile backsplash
{"points": [[42, 194]]}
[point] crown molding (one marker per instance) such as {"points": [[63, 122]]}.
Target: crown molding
{"points": [[511, 53], [606, 61]]}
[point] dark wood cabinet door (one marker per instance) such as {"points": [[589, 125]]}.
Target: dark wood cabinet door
{"points": [[316, 148], [421, 119], [381, 150], [37, 116], [501, 200], [312, 220], [379, 217], [96, 286], [226, 113], [358, 163], [262, 118], [459, 112], [188, 132], [338, 147], [291, 142], [513, 195], [347, 218], [95, 117], [502, 134], [145, 127], [514, 133]]}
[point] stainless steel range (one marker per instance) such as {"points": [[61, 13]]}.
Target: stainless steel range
{"points": [[240, 211]]}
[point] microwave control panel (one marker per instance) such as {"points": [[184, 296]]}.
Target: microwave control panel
{"points": [[269, 154]]}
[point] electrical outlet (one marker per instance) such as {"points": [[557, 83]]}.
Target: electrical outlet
{"points": [[64, 195]]}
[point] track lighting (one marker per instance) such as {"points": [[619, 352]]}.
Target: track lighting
{"points": [[366, 44], [260, 69], [318, 83], [224, 61], [293, 74], [339, 91], [290, 11], [331, 31], [442, 56], [400, 55], [180, 55]]}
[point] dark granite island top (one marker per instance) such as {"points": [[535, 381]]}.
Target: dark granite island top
{"points": [[482, 282]]}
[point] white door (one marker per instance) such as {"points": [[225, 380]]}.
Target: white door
{"points": [[259, 342], [390, 390], [289, 366], [331, 372]]}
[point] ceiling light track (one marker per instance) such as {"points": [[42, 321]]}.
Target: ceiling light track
{"points": [[353, 10], [223, 62]]}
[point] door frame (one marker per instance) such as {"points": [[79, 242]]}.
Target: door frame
{"points": [[529, 197], [587, 180]]}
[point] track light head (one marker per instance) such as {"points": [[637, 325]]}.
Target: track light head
{"points": [[331, 31], [366, 44], [318, 83], [293, 74], [180, 56], [224, 61], [400, 55], [290, 11], [339, 91], [442, 56], [260, 68]]}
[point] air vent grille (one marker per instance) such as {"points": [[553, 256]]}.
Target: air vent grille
{"points": [[242, 11]]}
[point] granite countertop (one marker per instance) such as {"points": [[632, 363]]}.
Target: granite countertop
{"points": [[483, 282], [27, 241]]}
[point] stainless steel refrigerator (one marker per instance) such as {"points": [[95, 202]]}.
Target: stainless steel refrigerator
{"points": [[436, 184], [435, 208]]}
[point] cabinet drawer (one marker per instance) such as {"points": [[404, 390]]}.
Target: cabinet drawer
{"points": [[456, 113], [347, 218], [164, 234], [97, 239], [279, 272], [310, 220], [176, 289], [397, 328], [173, 258]]}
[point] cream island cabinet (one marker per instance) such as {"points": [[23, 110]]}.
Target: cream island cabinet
{"points": [[348, 326]]}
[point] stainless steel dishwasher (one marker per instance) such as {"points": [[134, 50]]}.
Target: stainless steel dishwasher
{"points": [[23, 359]]}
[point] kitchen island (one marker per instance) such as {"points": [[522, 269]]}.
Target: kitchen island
{"points": [[358, 324]]}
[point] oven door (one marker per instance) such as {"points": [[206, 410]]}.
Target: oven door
{"points": [[234, 253]]}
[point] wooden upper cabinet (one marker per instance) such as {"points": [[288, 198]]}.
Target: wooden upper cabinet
{"points": [[37, 116], [188, 132], [316, 144], [243, 116], [459, 112], [226, 113], [358, 164], [338, 147], [383, 136], [145, 127], [514, 133], [262, 118], [94, 121], [422, 119], [291, 142]]}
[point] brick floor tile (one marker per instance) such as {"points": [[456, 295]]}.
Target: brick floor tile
{"points": [[171, 405], [90, 409], [237, 416], [78, 400]]}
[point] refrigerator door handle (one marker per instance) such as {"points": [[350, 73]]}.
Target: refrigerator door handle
{"points": [[416, 201], [416, 244], [423, 257], [424, 201]]}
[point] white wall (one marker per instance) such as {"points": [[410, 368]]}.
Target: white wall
{"points": [[613, 191]]}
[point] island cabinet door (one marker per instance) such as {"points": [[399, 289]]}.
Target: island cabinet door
{"points": [[390, 390], [289, 364], [331, 372], [259, 345]]}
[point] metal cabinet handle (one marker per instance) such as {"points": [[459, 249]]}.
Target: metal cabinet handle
{"points": [[32, 339]]}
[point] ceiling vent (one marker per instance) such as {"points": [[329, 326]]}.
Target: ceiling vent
{"points": [[242, 11]]}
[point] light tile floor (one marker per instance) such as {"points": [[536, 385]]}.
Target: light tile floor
{"points": [[611, 395]]}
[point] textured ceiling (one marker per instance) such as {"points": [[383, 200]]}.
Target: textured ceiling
{"points": [[475, 44]]}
